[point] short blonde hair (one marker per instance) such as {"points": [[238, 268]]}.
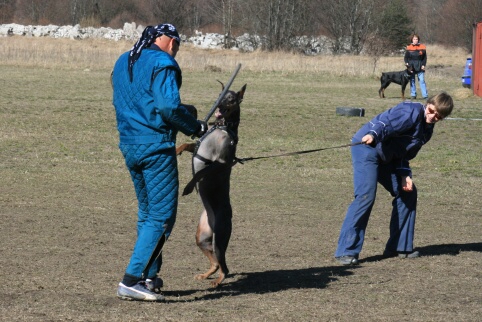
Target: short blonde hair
{"points": [[443, 103]]}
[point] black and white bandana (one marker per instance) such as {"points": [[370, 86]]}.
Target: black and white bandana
{"points": [[148, 37]]}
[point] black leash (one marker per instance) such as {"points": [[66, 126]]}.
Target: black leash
{"points": [[216, 165], [295, 153]]}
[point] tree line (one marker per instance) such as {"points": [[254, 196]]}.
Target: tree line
{"points": [[354, 26]]}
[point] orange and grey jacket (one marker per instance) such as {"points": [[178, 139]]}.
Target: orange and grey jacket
{"points": [[416, 55]]}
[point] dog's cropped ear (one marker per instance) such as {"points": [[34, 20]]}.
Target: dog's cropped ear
{"points": [[241, 92]]}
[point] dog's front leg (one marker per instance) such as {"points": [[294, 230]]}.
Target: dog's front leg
{"points": [[190, 147]]}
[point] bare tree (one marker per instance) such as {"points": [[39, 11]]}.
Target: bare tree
{"points": [[29, 11], [169, 11], [377, 47], [456, 25], [194, 16], [426, 18], [360, 21], [278, 21], [227, 10], [37, 12], [7, 10], [349, 22], [81, 10], [226, 14]]}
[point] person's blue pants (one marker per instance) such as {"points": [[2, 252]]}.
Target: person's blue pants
{"points": [[367, 171], [421, 81], [155, 177]]}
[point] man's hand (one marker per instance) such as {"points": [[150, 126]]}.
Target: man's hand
{"points": [[191, 109], [203, 128], [367, 139], [407, 184]]}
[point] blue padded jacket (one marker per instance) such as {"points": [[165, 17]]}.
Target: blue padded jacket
{"points": [[399, 134], [148, 109]]}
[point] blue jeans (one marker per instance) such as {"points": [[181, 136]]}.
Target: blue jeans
{"points": [[155, 177], [421, 81], [367, 171]]}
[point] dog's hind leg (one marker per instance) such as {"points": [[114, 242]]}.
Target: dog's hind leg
{"points": [[222, 235], [214, 243], [204, 240], [403, 91], [384, 85]]}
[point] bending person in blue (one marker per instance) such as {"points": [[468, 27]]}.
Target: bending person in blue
{"points": [[149, 113], [390, 140]]}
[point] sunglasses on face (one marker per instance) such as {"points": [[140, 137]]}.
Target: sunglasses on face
{"points": [[437, 116]]}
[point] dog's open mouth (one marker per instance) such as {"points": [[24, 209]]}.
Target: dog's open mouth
{"points": [[220, 112]]}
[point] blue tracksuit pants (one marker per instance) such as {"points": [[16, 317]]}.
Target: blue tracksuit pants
{"points": [[154, 174], [367, 171]]}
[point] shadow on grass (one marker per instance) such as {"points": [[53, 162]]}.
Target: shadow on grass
{"points": [[436, 250], [307, 278], [273, 281], [450, 249]]}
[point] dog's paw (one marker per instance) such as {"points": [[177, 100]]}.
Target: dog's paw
{"points": [[217, 282], [200, 277]]}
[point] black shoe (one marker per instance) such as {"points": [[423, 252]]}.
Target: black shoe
{"points": [[414, 97], [390, 253], [412, 254], [347, 260]]}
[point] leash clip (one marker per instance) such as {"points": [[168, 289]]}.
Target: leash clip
{"points": [[238, 160]]}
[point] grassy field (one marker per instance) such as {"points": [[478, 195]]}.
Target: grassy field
{"points": [[68, 208]]}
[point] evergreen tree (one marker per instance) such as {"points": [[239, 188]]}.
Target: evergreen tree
{"points": [[395, 25]]}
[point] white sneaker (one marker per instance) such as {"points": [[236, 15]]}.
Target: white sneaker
{"points": [[138, 292]]}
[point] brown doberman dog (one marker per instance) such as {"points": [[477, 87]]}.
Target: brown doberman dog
{"points": [[401, 78], [213, 158]]}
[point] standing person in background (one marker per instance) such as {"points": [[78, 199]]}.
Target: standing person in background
{"points": [[416, 55], [149, 114], [389, 141]]}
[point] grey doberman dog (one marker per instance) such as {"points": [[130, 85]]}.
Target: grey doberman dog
{"points": [[213, 158]]}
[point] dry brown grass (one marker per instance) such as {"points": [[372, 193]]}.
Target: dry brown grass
{"points": [[101, 54]]}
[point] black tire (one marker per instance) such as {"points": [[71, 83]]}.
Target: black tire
{"points": [[350, 111]]}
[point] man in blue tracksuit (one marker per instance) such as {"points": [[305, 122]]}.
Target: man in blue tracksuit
{"points": [[149, 113], [390, 140]]}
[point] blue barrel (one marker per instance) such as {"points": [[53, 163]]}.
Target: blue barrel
{"points": [[467, 77]]}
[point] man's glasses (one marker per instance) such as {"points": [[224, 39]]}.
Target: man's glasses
{"points": [[437, 116]]}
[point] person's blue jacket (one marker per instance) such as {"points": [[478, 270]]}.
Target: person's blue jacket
{"points": [[399, 133], [148, 109]]}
